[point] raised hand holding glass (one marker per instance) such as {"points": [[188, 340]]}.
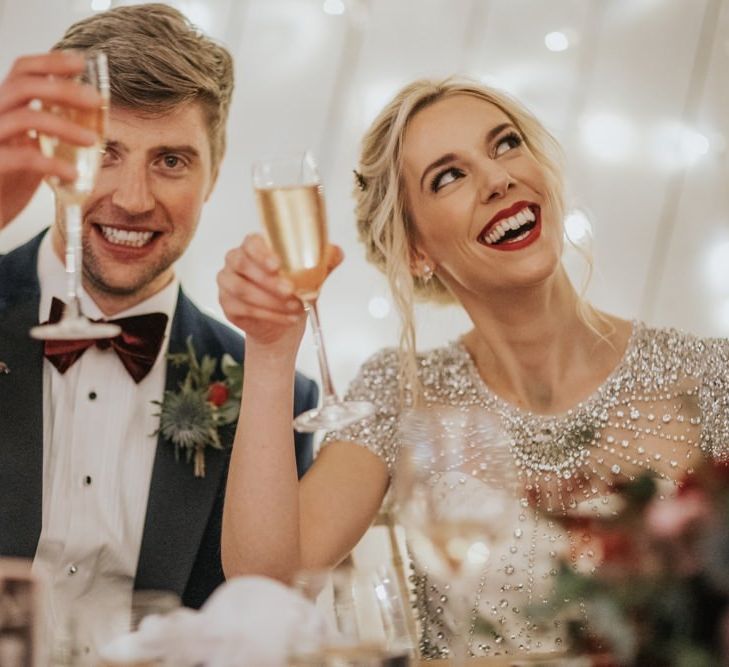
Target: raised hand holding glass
{"points": [[291, 204], [71, 195]]}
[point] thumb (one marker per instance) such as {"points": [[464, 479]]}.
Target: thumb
{"points": [[334, 257]]}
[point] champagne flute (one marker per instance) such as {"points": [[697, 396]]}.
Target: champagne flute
{"points": [[71, 195], [455, 494], [291, 203]]}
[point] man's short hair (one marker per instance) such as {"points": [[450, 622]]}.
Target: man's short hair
{"points": [[158, 61]]}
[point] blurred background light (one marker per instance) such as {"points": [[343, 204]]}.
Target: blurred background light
{"points": [[200, 14], [556, 41], [375, 96], [608, 136], [379, 307], [333, 7], [721, 316], [577, 227], [491, 80], [100, 5], [676, 145], [716, 267]]}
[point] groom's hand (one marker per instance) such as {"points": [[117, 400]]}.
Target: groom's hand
{"points": [[33, 85]]}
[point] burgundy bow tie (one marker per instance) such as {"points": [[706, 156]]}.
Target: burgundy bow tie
{"points": [[137, 345]]}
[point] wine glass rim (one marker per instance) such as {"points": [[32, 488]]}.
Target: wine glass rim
{"points": [[286, 156]]}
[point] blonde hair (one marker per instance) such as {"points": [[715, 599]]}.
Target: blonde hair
{"points": [[158, 61], [383, 222]]}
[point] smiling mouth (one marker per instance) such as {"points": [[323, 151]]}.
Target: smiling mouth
{"points": [[512, 229], [126, 237]]}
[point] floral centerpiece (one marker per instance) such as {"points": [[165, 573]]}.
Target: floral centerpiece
{"points": [[659, 594]]}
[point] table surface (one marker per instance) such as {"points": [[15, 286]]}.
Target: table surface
{"points": [[471, 662], [533, 660]]}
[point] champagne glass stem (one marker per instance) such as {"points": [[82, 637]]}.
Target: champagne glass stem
{"points": [[330, 396], [74, 257]]}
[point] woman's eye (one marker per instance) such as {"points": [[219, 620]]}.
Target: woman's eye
{"points": [[445, 177], [506, 143]]}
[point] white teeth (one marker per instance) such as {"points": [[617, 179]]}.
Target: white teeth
{"points": [[126, 237], [526, 215]]}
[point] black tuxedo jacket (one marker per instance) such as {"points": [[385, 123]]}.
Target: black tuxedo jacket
{"points": [[181, 540]]}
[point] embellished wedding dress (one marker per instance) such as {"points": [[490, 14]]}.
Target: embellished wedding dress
{"points": [[664, 406]]}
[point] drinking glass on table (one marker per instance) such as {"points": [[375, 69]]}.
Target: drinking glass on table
{"points": [[454, 489], [71, 196], [147, 606], [365, 615], [291, 204]]}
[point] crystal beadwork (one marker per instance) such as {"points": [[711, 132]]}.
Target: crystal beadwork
{"points": [[665, 404]]}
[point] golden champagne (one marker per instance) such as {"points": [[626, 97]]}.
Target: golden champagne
{"points": [[295, 221], [86, 159]]}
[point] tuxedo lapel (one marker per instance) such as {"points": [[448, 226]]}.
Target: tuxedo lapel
{"points": [[21, 404], [179, 504]]}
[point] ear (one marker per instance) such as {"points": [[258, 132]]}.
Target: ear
{"points": [[421, 266]]}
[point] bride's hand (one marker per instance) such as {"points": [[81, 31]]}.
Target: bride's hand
{"points": [[256, 297]]}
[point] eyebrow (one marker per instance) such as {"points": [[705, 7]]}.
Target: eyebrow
{"points": [[185, 148], [449, 157]]}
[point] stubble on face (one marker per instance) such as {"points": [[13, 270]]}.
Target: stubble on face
{"points": [[144, 281]]}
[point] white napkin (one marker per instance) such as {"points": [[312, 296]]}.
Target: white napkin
{"points": [[250, 621]]}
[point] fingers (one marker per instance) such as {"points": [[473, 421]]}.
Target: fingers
{"points": [[257, 262], [48, 77], [248, 294], [19, 122], [334, 257], [60, 63], [251, 285], [21, 90], [30, 159], [239, 310]]}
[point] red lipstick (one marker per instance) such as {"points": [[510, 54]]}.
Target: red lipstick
{"points": [[531, 236]]}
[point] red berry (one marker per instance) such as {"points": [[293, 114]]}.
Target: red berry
{"points": [[218, 393]]}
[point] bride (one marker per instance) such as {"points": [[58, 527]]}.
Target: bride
{"points": [[460, 199]]}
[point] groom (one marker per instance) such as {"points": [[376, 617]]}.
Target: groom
{"points": [[86, 489]]}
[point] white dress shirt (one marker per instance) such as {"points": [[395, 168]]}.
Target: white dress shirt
{"points": [[98, 452]]}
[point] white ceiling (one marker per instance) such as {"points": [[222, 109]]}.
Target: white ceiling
{"points": [[639, 99]]}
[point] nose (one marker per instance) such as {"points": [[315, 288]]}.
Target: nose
{"points": [[132, 192], [496, 181]]}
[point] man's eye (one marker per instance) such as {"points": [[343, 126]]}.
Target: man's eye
{"points": [[108, 155], [171, 161], [445, 177], [507, 142]]}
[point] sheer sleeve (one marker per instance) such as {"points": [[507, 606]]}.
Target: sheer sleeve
{"points": [[377, 382]]}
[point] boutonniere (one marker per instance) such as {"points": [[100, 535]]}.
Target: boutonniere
{"points": [[190, 418]]}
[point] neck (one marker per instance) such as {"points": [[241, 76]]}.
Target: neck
{"points": [[111, 304], [533, 349]]}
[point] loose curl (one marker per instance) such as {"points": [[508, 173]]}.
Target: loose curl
{"points": [[384, 224]]}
